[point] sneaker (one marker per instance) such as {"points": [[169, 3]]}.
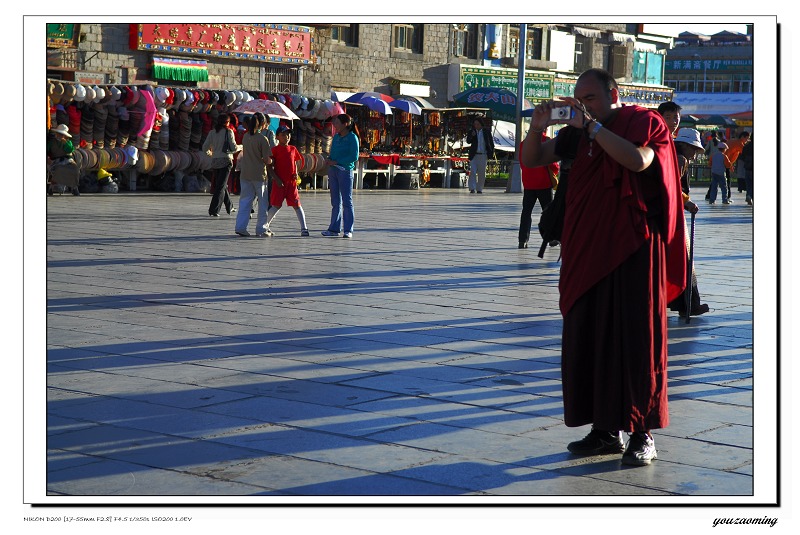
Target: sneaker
{"points": [[724, 202], [347, 235], [749, 202], [479, 191], [329, 233], [640, 451], [523, 245], [266, 234], [304, 232], [76, 192], [598, 442], [242, 233], [472, 191], [214, 215]]}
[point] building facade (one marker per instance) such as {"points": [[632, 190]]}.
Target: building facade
{"points": [[433, 61], [713, 75]]}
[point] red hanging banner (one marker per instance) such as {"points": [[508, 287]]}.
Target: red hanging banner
{"points": [[278, 43]]}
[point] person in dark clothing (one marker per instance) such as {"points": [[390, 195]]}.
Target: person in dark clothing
{"points": [[747, 162], [688, 147], [481, 148]]}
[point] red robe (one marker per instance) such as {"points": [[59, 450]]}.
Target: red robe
{"points": [[605, 218], [619, 272]]}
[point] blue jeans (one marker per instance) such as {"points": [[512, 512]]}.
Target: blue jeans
{"points": [[341, 186], [718, 181]]}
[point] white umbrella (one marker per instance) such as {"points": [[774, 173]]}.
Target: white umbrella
{"points": [[272, 108]]}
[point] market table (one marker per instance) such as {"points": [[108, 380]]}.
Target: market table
{"points": [[391, 165]]}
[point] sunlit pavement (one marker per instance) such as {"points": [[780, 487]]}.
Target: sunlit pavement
{"points": [[417, 361]]}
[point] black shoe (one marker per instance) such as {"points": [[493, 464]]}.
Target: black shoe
{"points": [[640, 451], [472, 191], [76, 192], [523, 245], [479, 191], [598, 442]]}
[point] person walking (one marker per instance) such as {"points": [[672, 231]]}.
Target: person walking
{"points": [[747, 163], [719, 162], [688, 147], [342, 161], [623, 260], [735, 148], [538, 184], [256, 155], [221, 146], [285, 160], [480, 149]]}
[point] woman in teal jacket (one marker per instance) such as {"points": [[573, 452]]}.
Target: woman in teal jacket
{"points": [[342, 162]]}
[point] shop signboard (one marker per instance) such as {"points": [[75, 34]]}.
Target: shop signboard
{"points": [[272, 43], [704, 65], [641, 95], [538, 85], [92, 78], [63, 35]]}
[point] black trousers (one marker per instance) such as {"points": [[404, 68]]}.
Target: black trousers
{"points": [[220, 195], [529, 198]]}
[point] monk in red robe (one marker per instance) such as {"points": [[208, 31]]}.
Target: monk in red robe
{"points": [[623, 257]]}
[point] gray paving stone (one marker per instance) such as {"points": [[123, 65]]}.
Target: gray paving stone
{"points": [[413, 360]]}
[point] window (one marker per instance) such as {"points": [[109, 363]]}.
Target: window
{"points": [[742, 83], [682, 83], [647, 67], [408, 38], [465, 40], [617, 61], [583, 53], [533, 43], [345, 34], [281, 79]]}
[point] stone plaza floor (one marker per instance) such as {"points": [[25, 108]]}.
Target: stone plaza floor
{"points": [[416, 363]]}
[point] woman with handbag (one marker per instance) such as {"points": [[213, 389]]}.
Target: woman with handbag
{"points": [[221, 146]]}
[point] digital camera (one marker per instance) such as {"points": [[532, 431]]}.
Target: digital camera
{"points": [[562, 113]]}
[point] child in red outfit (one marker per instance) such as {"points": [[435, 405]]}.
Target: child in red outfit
{"points": [[285, 158]]}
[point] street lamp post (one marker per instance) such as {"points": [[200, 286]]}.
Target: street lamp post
{"points": [[699, 57]]}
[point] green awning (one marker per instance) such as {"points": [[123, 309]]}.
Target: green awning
{"points": [[183, 70]]}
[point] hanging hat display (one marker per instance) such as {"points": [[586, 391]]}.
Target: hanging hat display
{"points": [[80, 93]]}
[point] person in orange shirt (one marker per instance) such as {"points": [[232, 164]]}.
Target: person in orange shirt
{"points": [[734, 150]]}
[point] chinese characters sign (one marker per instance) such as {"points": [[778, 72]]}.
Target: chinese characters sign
{"points": [[280, 43], [538, 86], [709, 64]]}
